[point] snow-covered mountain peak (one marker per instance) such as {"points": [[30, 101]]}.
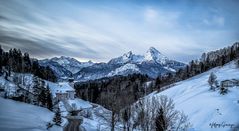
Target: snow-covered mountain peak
{"points": [[128, 57], [65, 63], [153, 63], [154, 55], [153, 50], [128, 54], [64, 60]]}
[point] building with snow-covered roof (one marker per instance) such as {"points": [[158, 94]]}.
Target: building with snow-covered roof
{"points": [[230, 83], [64, 91]]}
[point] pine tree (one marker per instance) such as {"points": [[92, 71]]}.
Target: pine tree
{"points": [[222, 60], [126, 117], [1, 59], [158, 81], [223, 90], [57, 119], [160, 121], [27, 63], [42, 97], [49, 99]]}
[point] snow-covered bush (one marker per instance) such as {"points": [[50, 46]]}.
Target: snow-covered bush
{"points": [[212, 81]]}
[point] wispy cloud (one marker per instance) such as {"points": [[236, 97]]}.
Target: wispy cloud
{"points": [[102, 30], [160, 18]]}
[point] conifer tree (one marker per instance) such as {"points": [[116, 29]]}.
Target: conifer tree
{"points": [[223, 90], [49, 99], [57, 119], [160, 121], [42, 97], [1, 58]]}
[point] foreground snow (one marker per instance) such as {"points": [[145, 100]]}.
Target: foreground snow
{"points": [[23, 117], [79, 103], [205, 107]]}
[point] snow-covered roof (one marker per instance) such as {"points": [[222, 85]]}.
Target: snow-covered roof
{"points": [[60, 87], [64, 87]]}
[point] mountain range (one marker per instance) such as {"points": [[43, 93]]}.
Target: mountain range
{"points": [[153, 63]]}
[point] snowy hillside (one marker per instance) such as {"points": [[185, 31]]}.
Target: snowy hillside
{"points": [[131, 68], [203, 106], [23, 117]]}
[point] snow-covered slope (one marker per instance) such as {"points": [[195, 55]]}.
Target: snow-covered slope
{"points": [[18, 116], [204, 106], [130, 68]]}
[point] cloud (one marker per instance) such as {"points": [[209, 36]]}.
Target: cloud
{"points": [[161, 18], [86, 30], [215, 21], [150, 15]]}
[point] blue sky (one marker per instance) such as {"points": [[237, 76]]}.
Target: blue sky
{"points": [[102, 29]]}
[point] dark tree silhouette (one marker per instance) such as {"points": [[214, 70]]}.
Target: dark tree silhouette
{"points": [[57, 119]]}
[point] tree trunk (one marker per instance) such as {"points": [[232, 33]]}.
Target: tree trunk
{"points": [[113, 121]]}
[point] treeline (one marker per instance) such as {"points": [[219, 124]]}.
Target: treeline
{"points": [[114, 92], [208, 61], [16, 61]]}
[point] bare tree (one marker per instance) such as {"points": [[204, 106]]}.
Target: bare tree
{"points": [[158, 113], [110, 99], [168, 118]]}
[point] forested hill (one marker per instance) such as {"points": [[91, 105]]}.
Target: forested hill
{"points": [[16, 61], [206, 62], [120, 90]]}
